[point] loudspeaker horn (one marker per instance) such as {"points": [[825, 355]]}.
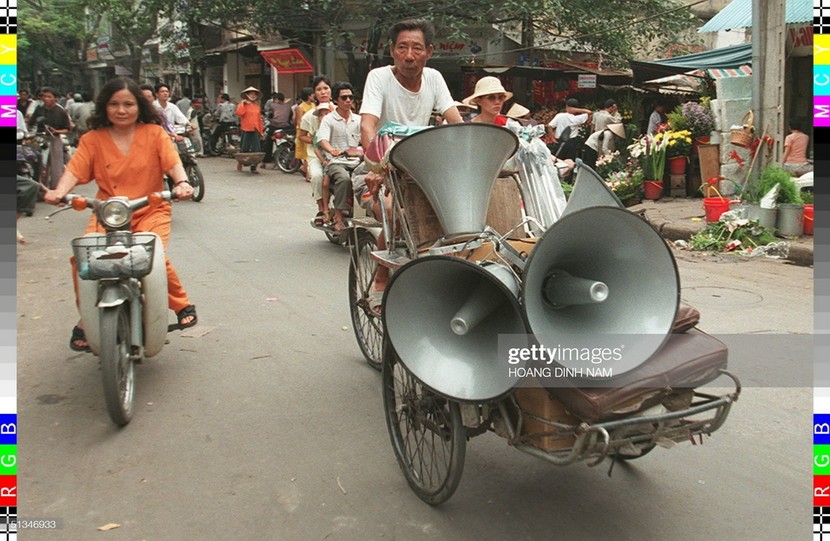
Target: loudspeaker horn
{"points": [[456, 165], [443, 316], [590, 191], [601, 278]]}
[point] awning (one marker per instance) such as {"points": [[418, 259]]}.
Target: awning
{"points": [[738, 14], [734, 56], [548, 74], [287, 61]]}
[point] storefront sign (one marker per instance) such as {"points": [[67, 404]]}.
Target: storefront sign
{"points": [[287, 61], [586, 81]]}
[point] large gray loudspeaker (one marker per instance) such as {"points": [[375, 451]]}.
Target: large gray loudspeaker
{"points": [[456, 165], [590, 191], [443, 316], [601, 277]]}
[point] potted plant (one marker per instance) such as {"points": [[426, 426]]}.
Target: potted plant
{"points": [[699, 120], [787, 201], [627, 185], [678, 150], [650, 151], [790, 219]]}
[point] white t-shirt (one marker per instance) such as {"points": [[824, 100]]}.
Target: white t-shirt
{"points": [[565, 120], [385, 98], [174, 116]]}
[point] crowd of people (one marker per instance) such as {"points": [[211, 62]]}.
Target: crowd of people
{"points": [[332, 131]]}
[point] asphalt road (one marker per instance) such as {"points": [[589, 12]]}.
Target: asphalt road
{"points": [[264, 422]]}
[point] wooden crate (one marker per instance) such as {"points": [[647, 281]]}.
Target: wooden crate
{"points": [[677, 185], [538, 401]]}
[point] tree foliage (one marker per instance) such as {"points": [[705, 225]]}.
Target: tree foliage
{"points": [[49, 40]]}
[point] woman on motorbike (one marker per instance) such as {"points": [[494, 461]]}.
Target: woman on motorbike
{"points": [[127, 153], [308, 127]]}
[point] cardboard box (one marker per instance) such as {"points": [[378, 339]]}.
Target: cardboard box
{"points": [[537, 401]]}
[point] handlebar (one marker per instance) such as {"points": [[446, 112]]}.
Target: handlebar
{"points": [[80, 202]]}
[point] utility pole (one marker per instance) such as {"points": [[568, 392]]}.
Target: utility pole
{"points": [[769, 34]]}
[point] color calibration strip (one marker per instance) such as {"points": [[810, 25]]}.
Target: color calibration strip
{"points": [[8, 272], [821, 266]]}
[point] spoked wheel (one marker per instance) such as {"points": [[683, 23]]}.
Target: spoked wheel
{"points": [[368, 327], [426, 431], [117, 369], [285, 159], [195, 178]]}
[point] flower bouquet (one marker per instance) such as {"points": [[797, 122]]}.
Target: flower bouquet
{"points": [[679, 144], [650, 151], [608, 164], [627, 185], [699, 119]]}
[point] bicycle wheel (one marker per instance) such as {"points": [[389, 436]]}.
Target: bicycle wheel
{"points": [[117, 369], [368, 327], [285, 159], [194, 176], [427, 434]]}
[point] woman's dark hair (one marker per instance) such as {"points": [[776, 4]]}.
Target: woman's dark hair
{"points": [[306, 93], [423, 25], [319, 79], [146, 112]]}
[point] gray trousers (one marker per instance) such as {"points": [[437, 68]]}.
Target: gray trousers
{"points": [[340, 180]]}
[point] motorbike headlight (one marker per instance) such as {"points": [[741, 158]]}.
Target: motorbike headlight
{"points": [[115, 214]]}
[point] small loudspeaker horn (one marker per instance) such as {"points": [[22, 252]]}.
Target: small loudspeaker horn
{"points": [[601, 278], [456, 165], [443, 316], [590, 191]]}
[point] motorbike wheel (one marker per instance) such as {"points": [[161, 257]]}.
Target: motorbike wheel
{"points": [[368, 327], [194, 176], [427, 434], [117, 369], [285, 159]]}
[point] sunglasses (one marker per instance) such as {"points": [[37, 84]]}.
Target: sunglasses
{"points": [[349, 97], [495, 97]]}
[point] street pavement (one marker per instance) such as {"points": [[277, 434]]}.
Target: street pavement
{"points": [[264, 422]]}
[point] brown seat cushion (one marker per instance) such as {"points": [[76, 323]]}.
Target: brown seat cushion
{"points": [[685, 360]]}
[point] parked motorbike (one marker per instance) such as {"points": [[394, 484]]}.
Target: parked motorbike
{"points": [[284, 140], [191, 168], [122, 294]]}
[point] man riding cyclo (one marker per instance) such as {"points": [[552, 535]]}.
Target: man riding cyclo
{"points": [[406, 93]]}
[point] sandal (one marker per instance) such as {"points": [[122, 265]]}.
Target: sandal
{"points": [[187, 311], [339, 227], [78, 335], [375, 299], [320, 218]]}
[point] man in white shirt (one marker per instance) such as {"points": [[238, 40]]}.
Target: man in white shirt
{"points": [[406, 92], [172, 113], [339, 135], [563, 128]]}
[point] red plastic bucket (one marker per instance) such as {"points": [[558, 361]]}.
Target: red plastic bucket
{"points": [[677, 166], [653, 189], [714, 208], [808, 219]]}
